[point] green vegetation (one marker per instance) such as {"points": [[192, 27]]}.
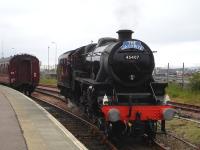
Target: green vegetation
{"points": [[48, 80], [189, 94], [195, 82], [183, 95], [185, 129]]}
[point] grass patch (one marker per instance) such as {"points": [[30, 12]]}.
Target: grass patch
{"points": [[188, 130], [48, 80], [183, 95]]}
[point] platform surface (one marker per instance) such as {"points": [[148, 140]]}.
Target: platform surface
{"points": [[24, 125]]}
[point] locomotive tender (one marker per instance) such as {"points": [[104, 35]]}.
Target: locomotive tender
{"points": [[20, 72], [113, 81]]}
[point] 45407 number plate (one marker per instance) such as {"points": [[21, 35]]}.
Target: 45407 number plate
{"points": [[132, 57]]}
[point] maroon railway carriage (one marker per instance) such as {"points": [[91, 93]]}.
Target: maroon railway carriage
{"points": [[20, 72]]}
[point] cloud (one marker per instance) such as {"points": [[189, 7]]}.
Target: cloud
{"points": [[30, 26], [177, 53], [170, 21]]}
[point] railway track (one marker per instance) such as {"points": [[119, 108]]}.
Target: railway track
{"points": [[172, 142], [93, 129], [184, 141], [160, 146], [187, 107], [188, 119], [48, 88], [128, 145], [47, 85], [87, 133]]}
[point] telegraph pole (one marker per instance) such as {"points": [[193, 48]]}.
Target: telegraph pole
{"points": [[183, 72], [168, 73], [56, 47], [48, 58]]}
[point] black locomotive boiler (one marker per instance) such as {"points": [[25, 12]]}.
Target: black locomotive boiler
{"points": [[113, 81]]}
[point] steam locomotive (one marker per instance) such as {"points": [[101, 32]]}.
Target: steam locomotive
{"points": [[113, 81]]}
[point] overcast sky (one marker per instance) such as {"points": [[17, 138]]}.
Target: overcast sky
{"points": [[170, 27]]}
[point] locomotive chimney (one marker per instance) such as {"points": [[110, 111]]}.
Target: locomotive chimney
{"points": [[125, 34]]}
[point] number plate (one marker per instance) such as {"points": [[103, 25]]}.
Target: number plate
{"points": [[132, 44], [132, 57]]}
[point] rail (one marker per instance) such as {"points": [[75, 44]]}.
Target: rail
{"points": [[187, 107]]}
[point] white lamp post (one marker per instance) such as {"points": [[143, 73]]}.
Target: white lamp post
{"points": [[55, 52]]}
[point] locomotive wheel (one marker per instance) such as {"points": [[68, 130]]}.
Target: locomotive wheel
{"points": [[151, 128], [108, 131], [113, 130], [88, 112], [101, 124]]}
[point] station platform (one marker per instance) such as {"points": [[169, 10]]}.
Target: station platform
{"points": [[25, 125]]}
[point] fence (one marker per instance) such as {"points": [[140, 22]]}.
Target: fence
{"points": [[179, 75]]}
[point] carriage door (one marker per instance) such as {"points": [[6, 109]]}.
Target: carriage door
{"points": [[25, 71]]}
